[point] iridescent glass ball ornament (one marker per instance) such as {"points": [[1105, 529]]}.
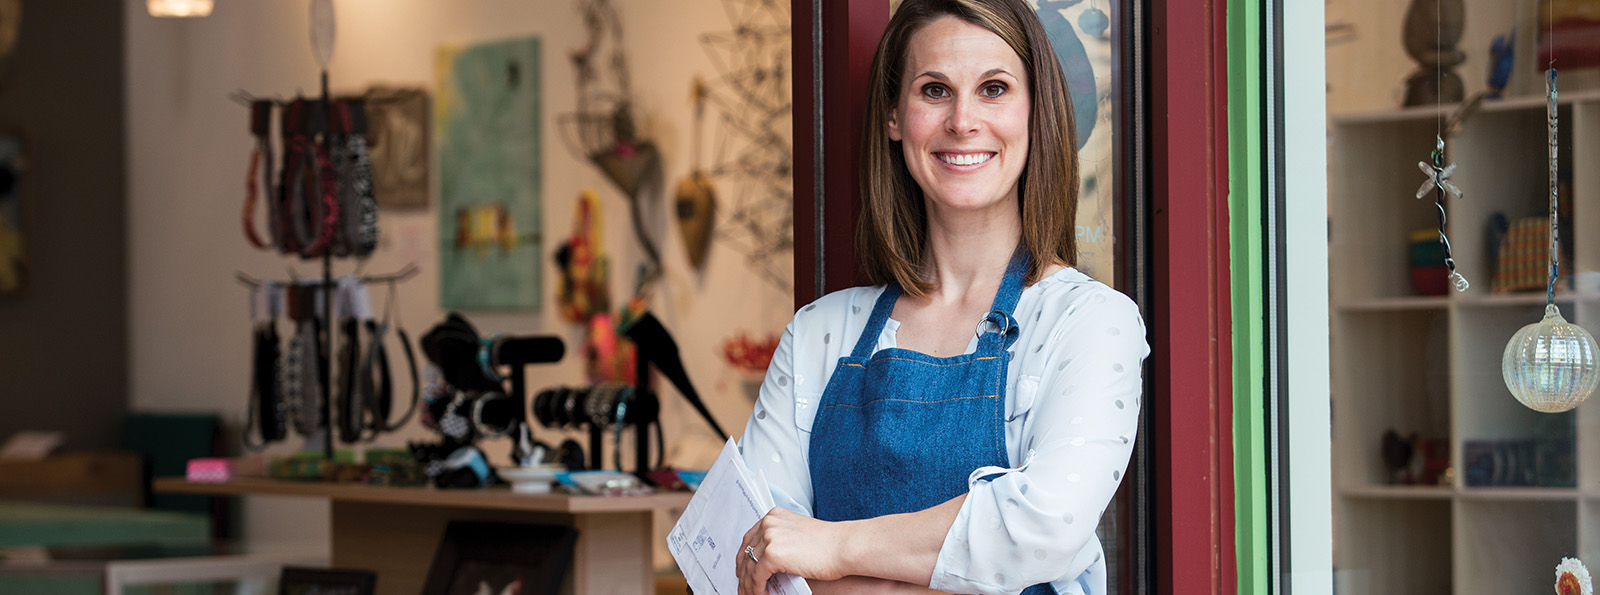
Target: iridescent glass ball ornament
{"points": [[1551, 365]]}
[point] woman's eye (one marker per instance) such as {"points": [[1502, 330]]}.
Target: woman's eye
{"points": [[993, 90], [935, 92]]}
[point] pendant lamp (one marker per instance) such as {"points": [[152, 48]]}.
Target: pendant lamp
{"points": [[178, 8]]}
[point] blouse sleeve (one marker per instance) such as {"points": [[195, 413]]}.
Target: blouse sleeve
{"points": [[1031, 524], [772, 443]]}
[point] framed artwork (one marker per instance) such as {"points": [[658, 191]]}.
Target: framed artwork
{"points": [[13, 265], [487, 109], [496, 558], [326, 581], [398, 131]]}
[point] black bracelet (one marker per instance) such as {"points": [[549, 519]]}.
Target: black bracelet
{"points": [[569, 410], [477, 416]]}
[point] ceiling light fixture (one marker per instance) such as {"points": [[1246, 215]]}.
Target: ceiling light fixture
{"points": [[178, 8]]}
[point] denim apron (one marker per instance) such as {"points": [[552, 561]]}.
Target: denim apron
{"points": [[900, 431]]}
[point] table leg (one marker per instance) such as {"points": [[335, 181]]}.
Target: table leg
{"points": [[614, 554]]}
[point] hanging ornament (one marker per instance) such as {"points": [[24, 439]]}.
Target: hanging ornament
{"points": [[584, 268], [696, 198], [1551, 365], [1439, 183]]}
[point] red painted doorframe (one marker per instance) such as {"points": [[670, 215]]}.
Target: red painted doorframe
{"points": [[1190, 327], [1189, 323], [850, 33]]}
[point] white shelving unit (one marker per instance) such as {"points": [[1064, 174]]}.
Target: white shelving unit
{"points": [[1431, 364]]}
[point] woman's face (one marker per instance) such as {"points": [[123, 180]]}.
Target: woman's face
{"points": [[962, 118]]}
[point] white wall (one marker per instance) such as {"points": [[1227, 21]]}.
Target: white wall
{"points": [[188, 147]]}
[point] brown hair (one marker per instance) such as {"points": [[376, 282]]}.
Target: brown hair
{"points": [[891, 237]]}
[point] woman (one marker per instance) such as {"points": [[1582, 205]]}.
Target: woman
{"points": [[961, 425]]}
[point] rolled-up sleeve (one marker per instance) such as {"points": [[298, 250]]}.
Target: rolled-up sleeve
{"points": [[1035, 522]]}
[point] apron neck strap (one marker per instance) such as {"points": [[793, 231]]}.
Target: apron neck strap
{"points": [[880, 316], [1005, 300]]}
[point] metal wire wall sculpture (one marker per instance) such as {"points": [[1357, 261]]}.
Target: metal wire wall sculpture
{"points": [[754, 105], [602, 131]]}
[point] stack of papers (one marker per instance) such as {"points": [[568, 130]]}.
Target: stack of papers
{"points": [[707, 540]]}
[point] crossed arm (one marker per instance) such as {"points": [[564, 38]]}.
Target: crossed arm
{"points": [[888, 554]]}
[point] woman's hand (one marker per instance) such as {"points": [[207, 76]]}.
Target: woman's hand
{"points": [[785, 542]]}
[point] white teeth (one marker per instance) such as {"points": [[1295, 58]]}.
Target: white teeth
{"points": [[966, 159]]}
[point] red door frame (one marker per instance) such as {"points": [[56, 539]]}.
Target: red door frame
{"points": [[1189, 323], [1191, 326]]}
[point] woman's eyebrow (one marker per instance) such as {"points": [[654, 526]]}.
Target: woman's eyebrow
{"points": [[939, 76]]}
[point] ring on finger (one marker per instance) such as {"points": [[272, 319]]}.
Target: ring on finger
{"points": [[750, 550]]}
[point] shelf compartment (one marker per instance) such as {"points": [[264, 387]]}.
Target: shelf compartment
{"points": [[1393, 547], [1375, 207], [1502, 166], [1512, 547], [1397, 379], [1481, 336], [1585, 126]]}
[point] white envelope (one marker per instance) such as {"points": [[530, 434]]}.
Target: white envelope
{"points": [[705, 541]]}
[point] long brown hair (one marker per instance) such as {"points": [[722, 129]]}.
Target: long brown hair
{"points": [[892, 233]]}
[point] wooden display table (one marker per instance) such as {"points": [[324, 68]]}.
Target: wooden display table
{"points": [[395, 531]]}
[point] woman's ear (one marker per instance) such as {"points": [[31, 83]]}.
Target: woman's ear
{"points": [[893, 123]]}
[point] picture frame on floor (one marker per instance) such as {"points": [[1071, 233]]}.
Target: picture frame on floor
{"points": [[494, 558], [326, 581]]}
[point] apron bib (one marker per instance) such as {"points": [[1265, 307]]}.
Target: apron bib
{"points": [[900, 431]]}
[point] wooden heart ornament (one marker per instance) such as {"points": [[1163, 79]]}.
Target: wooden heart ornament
{"points": [[696, 205]]}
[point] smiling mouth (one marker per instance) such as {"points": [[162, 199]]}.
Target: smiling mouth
{"points": [[964, 158]]}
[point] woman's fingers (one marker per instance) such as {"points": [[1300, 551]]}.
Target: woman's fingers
{"points": [[750, 550], [787, 542]]}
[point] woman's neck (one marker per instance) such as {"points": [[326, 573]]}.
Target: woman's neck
{"points": [[969, 251]]}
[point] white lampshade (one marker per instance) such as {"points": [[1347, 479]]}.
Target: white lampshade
{"points": [[178, 8]]}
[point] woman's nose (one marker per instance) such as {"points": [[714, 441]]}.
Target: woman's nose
{"points": [[962, 118]]}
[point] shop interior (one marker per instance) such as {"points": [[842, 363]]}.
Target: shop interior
{"points": [[600, 189]]}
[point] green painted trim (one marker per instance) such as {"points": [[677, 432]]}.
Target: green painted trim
{"points": [[1246, 219]]}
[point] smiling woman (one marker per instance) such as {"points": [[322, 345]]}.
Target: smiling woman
{"points": [[963, 423]]}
